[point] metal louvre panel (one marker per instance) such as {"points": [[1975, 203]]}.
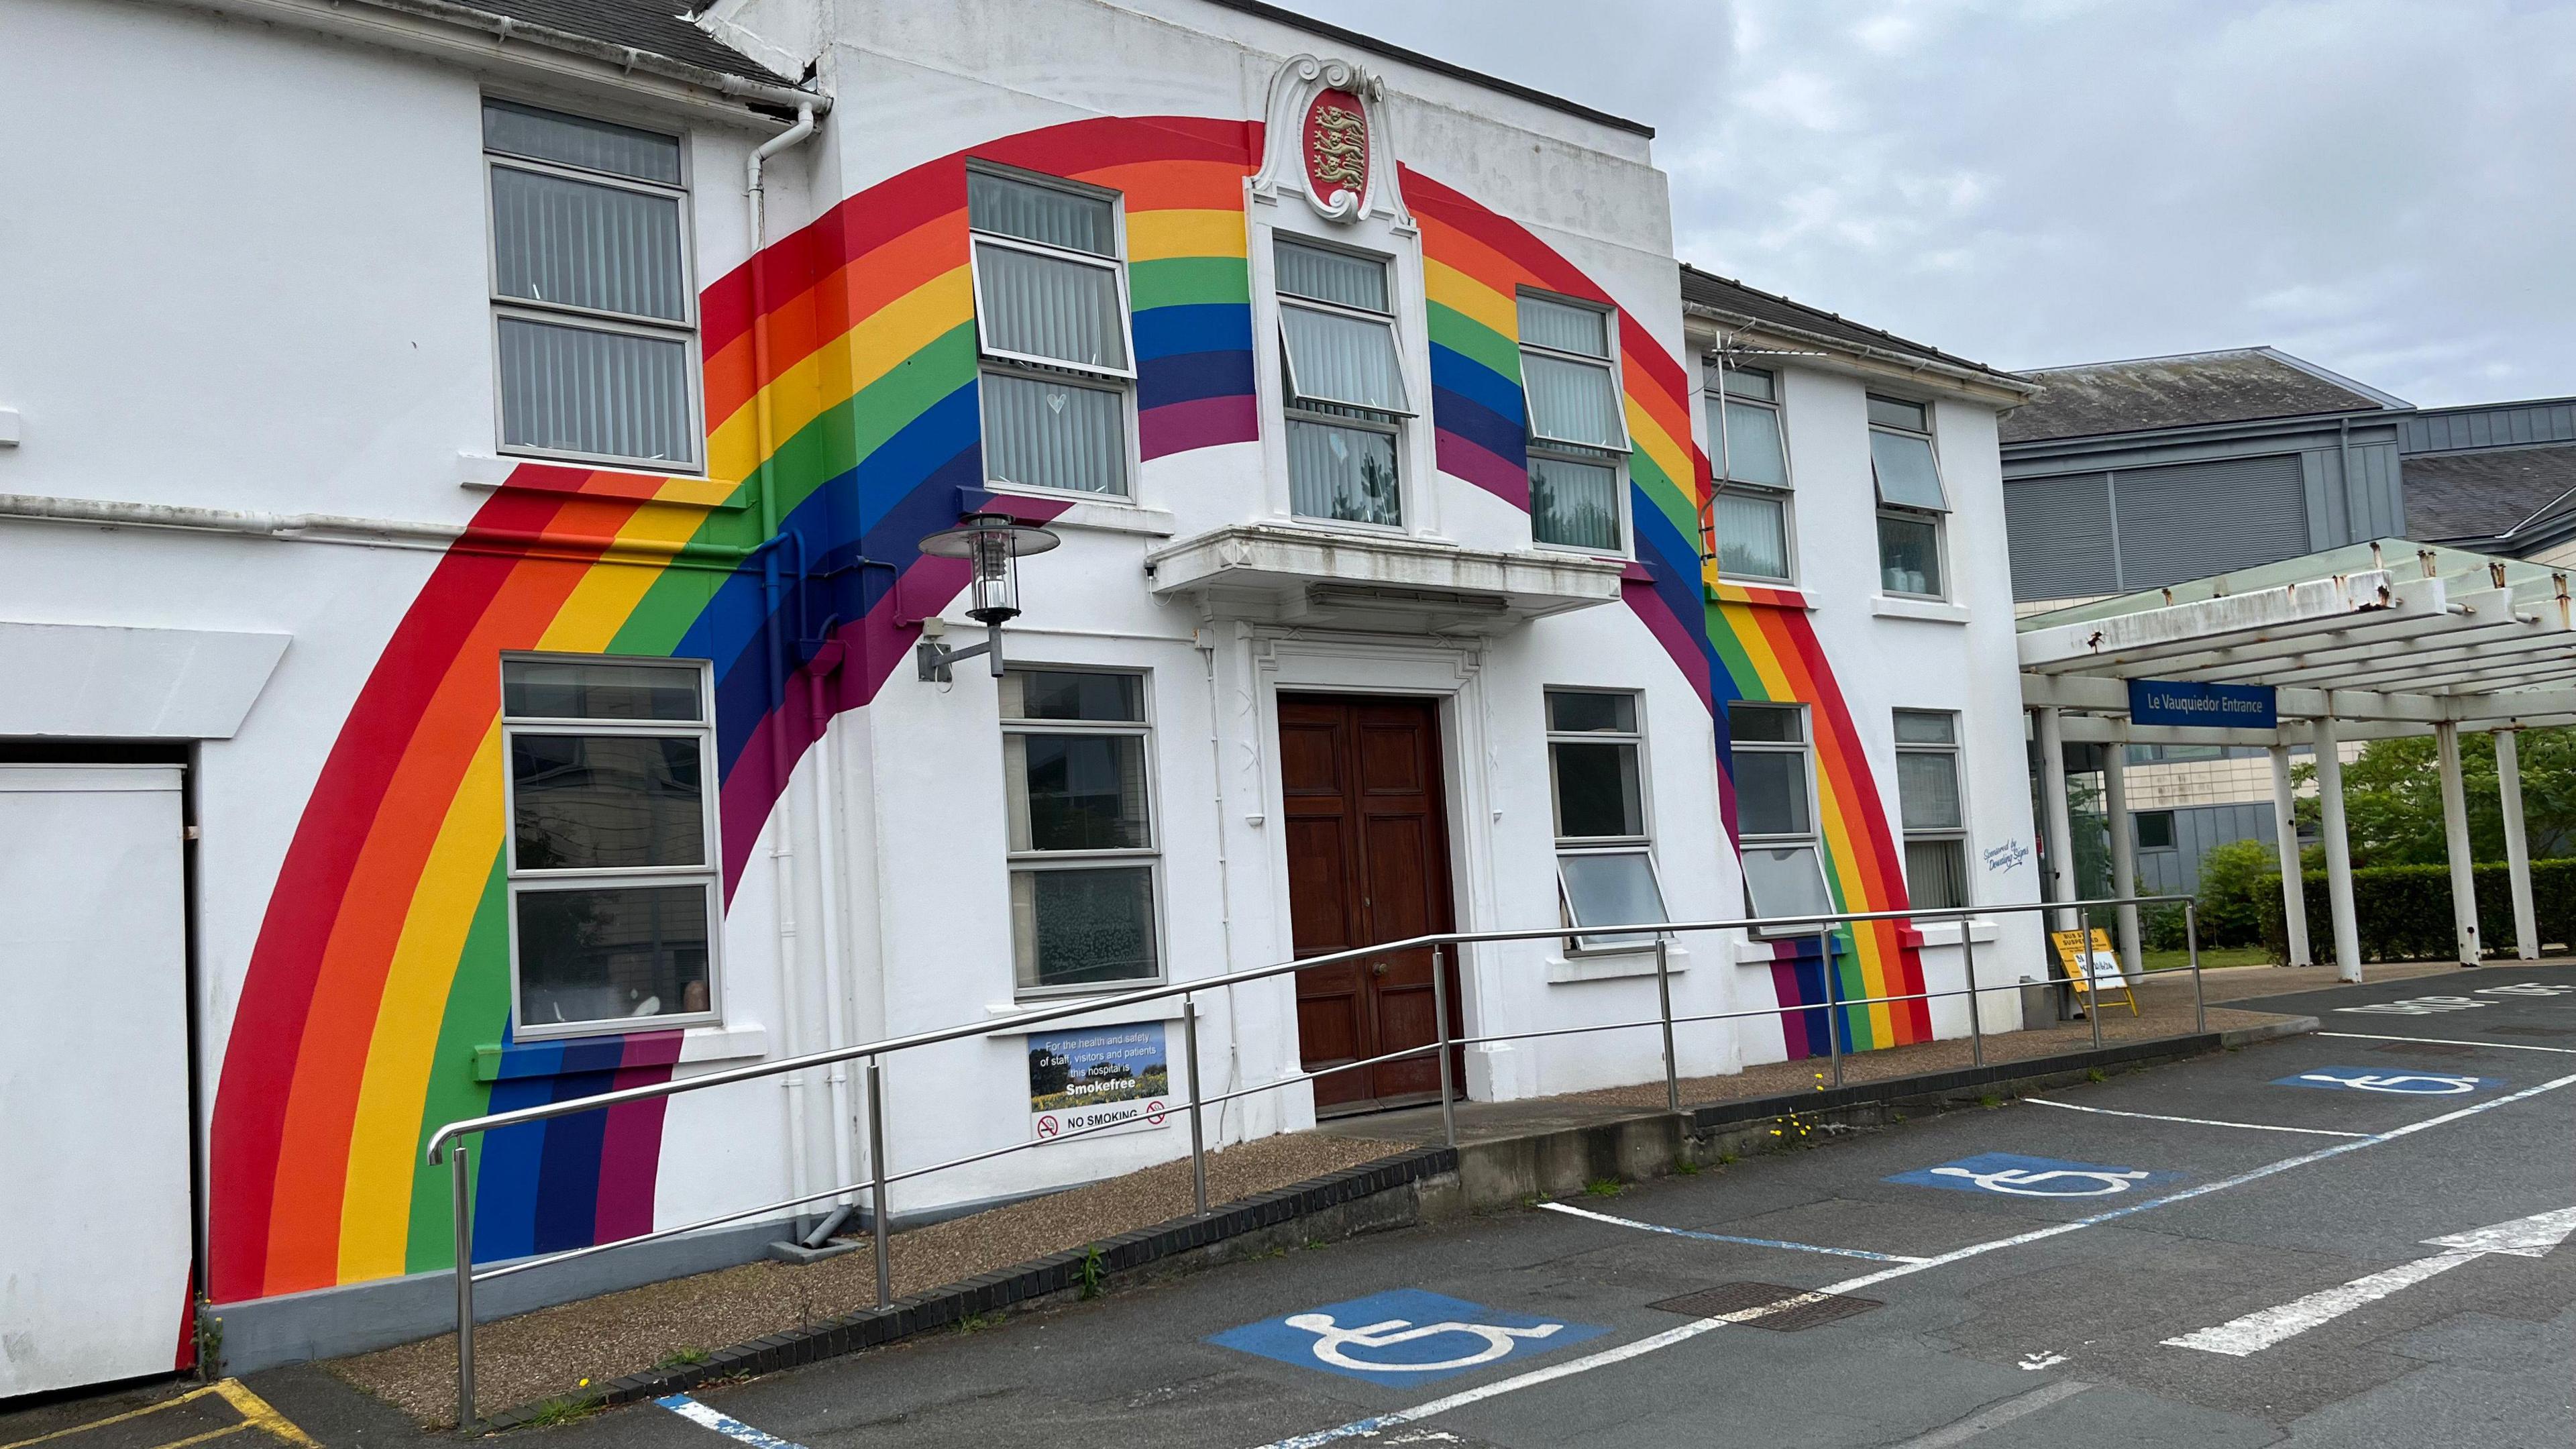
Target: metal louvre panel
{"points": [[2058, 531], [2191, 520]]}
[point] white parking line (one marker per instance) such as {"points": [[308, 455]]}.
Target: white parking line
{"points": [[2507, 1046], [1995, 1416], [1576, 1212], [1376, 1423], [2194, 1121], [723, 1423]]}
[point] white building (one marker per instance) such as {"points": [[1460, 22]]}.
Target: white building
{"points": [[436, 478]]}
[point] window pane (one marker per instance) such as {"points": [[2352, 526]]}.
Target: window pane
{"points": [[1565, 327], [1752, 534], [609, 955], [1041, 214], [1039, 306], [1596, 791], [1075, 926], [1907, 476], [1888, 412], [606, 802], [1344, 473], [579, 244], [580, 390], [1786, 881], [1909, 555], [1926, 727], [1571, 402], [1752, 382], [1039, 433], [1573, 712], [1752, 446], [1927, 787], [575, 141], [1771, 792], [1329, 276], [1771, 723], [1574, 504], [1345, 360], [1936, 873], [1611, 890], [579, 689], [1072, 694], [1078, 792], [2155, 830]]}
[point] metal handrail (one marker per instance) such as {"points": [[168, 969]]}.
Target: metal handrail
{"points": [[446, 1144]]}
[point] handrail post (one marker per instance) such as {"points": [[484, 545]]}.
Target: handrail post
{"points": [[2092, 978], [881, 1228], [460, 1196], [1976, 1022], [1833, 998], [1198, 1138], [2191, 939], [1664, 1004], [1440, 1024]]}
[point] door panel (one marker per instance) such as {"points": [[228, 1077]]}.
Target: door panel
{"points": [[1368, 860]]}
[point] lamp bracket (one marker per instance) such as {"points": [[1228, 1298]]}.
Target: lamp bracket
{"points": [[934, 660]]}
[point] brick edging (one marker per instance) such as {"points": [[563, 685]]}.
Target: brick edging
{"points": [[989, 1292]]}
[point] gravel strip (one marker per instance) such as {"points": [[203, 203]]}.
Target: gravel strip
{"points": [[556, 1350]]}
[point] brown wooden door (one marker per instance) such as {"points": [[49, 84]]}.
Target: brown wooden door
{"points": [[1368, 861]]}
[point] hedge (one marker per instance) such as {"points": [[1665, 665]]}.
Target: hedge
{"points": [[2404, 911]]}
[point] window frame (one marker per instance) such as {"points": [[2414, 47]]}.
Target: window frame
{"points": [[2173, 829], [1936, 519], [1641, 844], [685, 330], [1783, 495], [1295, 408], [709, 873], [989, 359], [1956, 753], [1033, 861], [1536, 447], [1804, 747]]}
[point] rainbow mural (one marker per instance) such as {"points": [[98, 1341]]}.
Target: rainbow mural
{"points": [[840, 368]]}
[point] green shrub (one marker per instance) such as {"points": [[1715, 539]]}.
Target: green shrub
{"points": [[2238, 881], [2403, 912]]}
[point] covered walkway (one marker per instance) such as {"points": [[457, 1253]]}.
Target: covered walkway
{"points": [[2372, 641]]}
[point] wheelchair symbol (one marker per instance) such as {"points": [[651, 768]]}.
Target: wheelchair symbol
{"points": [[1330, 1338], [2024, 1182], [2413, 1084]]}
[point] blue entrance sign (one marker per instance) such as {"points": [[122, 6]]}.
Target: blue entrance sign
{"points": [[2209, 706], [2396, 1081], [2013, 1175], [1403, 1337]]}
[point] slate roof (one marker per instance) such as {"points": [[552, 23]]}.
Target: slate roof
{"points": [[1725, 294], [2484, 494], [2242, 384], [652, 26]]}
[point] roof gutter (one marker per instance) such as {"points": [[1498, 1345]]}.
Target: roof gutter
{"points": [[1886, 357]]}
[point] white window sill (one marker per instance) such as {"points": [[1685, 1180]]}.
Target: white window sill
{"points": [[1613, 965], [724, 1043], [1097, 515], [1164, 1009], [1780, 595], [1930, 611]]}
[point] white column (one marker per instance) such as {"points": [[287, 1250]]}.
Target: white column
{"points": [[2124, 852], [2060, 827], [2455, 843], [2347, 928], [2294, 895], [2517, 850]]}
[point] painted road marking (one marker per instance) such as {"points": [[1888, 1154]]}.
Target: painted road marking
{"points": [[2403, 1084], [1995, 1416], [2014, 1175], [2416, 1006], [1401, 1337], [723, 1423], [2529, 1237], [2502, 1046], [2527, 988], [1576, 1212], [1378, 1423], [2194, 1121], [255, 1414]]}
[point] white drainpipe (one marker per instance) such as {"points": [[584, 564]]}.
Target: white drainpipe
{"points": [[792, 136]]}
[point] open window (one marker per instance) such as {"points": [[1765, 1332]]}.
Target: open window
{"points": [[1911, 503], [1578, 429], [1051, 322], [1775, 812], [1750, 513], [1346, 399], [1605, 860]]}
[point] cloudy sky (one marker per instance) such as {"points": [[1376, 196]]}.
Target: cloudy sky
{"points": [[2385, 187]]}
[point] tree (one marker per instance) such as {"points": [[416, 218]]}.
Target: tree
{"points": [[2392, 798]]}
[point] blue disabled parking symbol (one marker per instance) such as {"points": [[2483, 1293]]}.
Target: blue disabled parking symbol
{"points": [[2398, 1083], [1403, 1337], [2013, 1175]]}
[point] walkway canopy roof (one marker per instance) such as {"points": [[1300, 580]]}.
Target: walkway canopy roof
{"points": [[2389, 638]]}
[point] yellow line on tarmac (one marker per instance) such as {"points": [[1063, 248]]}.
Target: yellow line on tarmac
{"points": [[114, 1418], [202, 1438], [256, 1413]]}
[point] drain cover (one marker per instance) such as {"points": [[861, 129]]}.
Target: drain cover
{"points": [[1805, 1308]]}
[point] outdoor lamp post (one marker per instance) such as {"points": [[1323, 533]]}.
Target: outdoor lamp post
{"points": [[991, 544]]}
